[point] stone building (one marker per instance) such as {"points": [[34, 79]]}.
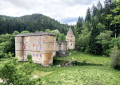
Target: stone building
{"points": [[70, 38], [42, 46]]}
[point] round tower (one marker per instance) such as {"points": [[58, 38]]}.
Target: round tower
{"points": [[19, 48]]}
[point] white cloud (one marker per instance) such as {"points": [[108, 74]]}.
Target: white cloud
{"points": [[57, 9]]}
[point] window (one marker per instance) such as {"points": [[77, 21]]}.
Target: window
{"points": [[59, 47], [37, 55], [41, 55], [40, 48]]}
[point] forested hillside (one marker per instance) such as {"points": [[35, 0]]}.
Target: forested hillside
{"points": [[32, 23], [100, 31]]}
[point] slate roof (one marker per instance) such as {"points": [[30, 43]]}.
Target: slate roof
{"points": [[36, 34]]}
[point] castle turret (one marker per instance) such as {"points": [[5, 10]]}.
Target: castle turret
{"points": [[19, 52], [70, 38]]}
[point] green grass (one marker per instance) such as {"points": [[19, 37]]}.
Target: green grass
{"points": [[90, 70]]}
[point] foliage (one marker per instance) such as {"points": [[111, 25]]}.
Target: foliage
{"points": [[96, 70], [104, 38], [61, 37], [114, 17], [9, 55], [31, 23], [10, 74], [115, 41], [29, 57], [88, 15], [115, 58], [7, 44], [82, 41], [95, 34], [25, 32]]}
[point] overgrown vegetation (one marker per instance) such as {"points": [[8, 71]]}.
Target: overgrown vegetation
{"points": [[99, 32], [90, 69], [29, 57], [115, 56], [11, 74]]}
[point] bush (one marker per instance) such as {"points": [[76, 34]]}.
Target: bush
{"points": [[12, 75], [29, 57], [115, 56], [9, 55]]}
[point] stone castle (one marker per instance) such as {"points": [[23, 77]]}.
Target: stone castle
{"points": [[42, 46]]}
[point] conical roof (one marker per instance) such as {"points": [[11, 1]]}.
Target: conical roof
{"points": [[70, 32]]}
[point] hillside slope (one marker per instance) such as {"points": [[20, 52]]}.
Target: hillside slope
{"points": [[32, 23]]}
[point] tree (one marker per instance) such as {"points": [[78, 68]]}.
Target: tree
{"points": [[25, 32], [82, 39], [104, 38], [7, 44], [115, 58], [61, 37], [99, 6], [79, 24], [94, 47], [94, 10], [15, 32], [108, 2], [31, 23], [47, 30], [88, 15], [115, 17]]}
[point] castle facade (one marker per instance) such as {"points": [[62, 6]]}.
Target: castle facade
{"points": [[42, 46]]}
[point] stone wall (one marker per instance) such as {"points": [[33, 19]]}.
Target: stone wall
{"points": [[70, 41], [61, 46], [19, 48], [42, 48]]}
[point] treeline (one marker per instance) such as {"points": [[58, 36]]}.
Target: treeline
{"points": [[32, 23], [100, 31]]}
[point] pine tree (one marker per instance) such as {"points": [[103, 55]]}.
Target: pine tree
{"points": [[79, 24], [88, 15], [94, 47]]}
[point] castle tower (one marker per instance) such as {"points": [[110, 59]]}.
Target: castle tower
{"points": [[19, 52], [70, 38]]}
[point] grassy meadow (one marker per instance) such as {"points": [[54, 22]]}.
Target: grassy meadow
{"points": [[90, 70]]}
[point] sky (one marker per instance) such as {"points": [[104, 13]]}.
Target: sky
{"points": [[64, 11]]}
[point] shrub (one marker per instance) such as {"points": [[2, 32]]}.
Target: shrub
{"points": [[115, 58], [29, 57], [12, 75], [9, 55]]}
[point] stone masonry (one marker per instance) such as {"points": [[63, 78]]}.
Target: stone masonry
{"points": [[42, 46]]}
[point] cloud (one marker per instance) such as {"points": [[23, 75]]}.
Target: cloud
{"points": [[61, 10]]}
